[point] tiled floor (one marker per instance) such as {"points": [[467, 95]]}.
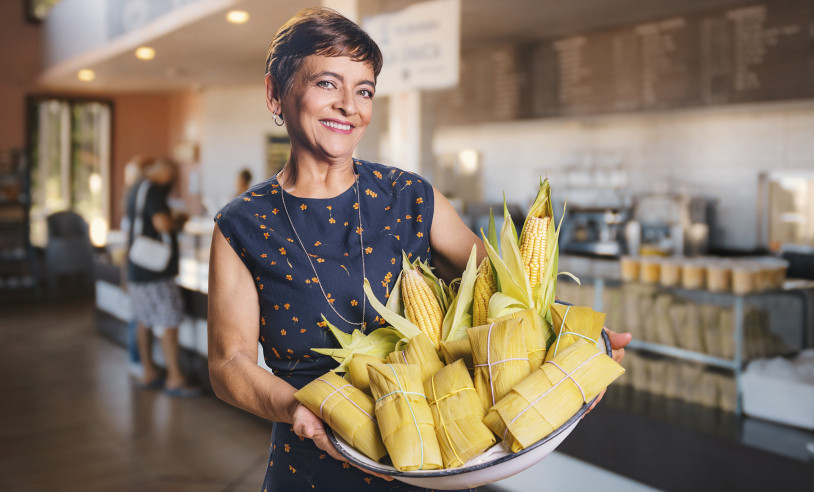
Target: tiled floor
{"points": [[72, 421]]}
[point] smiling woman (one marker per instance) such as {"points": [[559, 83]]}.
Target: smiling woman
{"points": [[294, 251]]}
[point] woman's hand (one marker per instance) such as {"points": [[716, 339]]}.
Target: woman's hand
{"points": [[306, 424], [618, 343]]}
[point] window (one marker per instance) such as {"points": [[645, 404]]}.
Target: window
{"points": [[69, 144]]}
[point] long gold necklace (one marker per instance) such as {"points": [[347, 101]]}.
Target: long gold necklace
{"points": [[308, 255]]}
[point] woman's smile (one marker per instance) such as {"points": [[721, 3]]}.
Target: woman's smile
{"points": [[337, 126]]}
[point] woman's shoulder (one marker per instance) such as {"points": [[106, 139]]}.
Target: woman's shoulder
{"points": [[394, 177], [245, 205]]}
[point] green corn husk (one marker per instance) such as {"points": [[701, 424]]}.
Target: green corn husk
{"points": [[458, 415], [405, 419], [534, 329], [500, 357], [347, 410], [453, 350], [357, 370], [546, 399], [573, 323]]}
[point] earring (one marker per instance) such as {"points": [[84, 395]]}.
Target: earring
{"points": [[278, 119]]}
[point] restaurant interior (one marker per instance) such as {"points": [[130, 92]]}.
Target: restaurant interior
{"points": [[677, 138]]}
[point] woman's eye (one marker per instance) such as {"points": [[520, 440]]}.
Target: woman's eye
{"points": [[366, 93], [326, 84]]}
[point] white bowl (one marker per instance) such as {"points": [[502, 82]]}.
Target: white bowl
{"points": [[496, 463]]}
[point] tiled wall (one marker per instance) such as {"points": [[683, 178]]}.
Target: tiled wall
{"points": [[716, 152]]}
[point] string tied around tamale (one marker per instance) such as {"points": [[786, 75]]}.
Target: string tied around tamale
{"points": [[435, 400], [339, 390], [568, 375], [562, 327], [489, 362], [409, 406]]}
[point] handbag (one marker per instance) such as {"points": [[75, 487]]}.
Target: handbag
{"points": [[146, 252]]}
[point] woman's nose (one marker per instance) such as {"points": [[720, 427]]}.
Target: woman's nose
{"points": [[346, 102]]}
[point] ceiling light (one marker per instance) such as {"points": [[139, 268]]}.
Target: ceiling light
{"points": [[237, 16], [86, 75], [145, 53]]}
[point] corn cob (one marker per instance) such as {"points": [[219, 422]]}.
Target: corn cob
{"points": [[485, 286], [533, 246], [420, 305]]}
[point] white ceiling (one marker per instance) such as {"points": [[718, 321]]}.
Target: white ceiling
{"points": [[213, 52]]}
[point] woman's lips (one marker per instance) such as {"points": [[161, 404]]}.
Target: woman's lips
{"points": [[336, 126]]}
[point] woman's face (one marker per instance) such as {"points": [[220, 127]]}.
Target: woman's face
{"points": [[329, 106]]}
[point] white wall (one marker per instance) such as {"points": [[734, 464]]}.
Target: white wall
{"points": [[235, 125], [717, 152]]}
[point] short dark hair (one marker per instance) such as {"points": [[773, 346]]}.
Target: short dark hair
{"points": [[245, 175], [318, 31]]}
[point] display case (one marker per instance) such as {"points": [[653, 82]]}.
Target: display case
{"points": [[18, 260]]}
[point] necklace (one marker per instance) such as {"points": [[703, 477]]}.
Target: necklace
{"points": [[308, 256]]}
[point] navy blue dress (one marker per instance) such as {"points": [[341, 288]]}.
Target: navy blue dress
{"points": [[396, 210]]}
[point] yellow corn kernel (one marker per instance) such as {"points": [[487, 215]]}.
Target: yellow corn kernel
{"points": [[533, 247], [420, 305], [485, 286]]}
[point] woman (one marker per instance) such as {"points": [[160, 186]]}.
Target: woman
{"points": [[298, 246]]}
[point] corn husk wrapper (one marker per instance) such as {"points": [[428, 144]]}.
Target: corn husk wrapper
{"points": [[546, 399], [532, 326], [396, 357], [421, 352], [500, 357], [357, 370], [347, 410], [458, 415], [453, 350], [404, 417], [574, 323]]}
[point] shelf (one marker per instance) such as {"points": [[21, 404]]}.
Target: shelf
{"points": [[683, 354]]}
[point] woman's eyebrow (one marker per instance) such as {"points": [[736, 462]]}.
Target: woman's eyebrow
{"points": [[340, 78]]}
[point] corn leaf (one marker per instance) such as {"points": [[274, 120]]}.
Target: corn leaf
{"points": [[394, 300], [379, 342], [398, 322], [503, 276], [455, 325], [510, 251], [500, 305]]}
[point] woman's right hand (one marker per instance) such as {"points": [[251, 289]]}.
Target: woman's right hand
{"points": [[306, 424]]}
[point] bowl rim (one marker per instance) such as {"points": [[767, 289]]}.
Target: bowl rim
{"points": [[461, 470]]}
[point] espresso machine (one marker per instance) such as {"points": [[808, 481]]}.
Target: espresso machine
{"points": [[670, 225], [594, 231]]}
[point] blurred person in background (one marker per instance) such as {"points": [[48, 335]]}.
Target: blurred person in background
{"points": [[244, 180], [298, 246], [155, 297]]}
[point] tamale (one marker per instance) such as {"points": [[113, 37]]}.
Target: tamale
{"points": [[572, 323], [500, 357], [421, 352], [458, 415], [458, 349], [404, 417], [357, 370], [551, 395], [534, 329], [347, 410], [397, 357]]}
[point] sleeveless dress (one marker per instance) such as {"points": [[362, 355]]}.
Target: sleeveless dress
{"points": [[396, 209]]}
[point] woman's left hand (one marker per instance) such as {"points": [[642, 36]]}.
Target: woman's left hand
{"points": [[618, 343]]}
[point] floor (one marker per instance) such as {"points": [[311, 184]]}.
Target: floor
{"points": [[73, 421]]}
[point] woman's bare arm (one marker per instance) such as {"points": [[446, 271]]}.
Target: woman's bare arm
{"points": [[451, 240]]}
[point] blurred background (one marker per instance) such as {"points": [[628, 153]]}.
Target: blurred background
{"points": [[678, 133]]}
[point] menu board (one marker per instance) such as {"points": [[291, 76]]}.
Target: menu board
{"points": [[756, 52]]}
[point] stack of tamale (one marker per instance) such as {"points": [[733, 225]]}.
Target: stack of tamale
{"points": [[500, 357], [551, 395], [347, 410], [421, 352], [534, 329], [404, 417], [572, 323], [357, 370], [458, 415]]}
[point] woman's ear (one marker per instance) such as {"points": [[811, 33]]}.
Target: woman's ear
{"points": [[272, 94]]}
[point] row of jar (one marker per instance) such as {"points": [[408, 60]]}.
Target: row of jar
{"points": [[740, 276]]}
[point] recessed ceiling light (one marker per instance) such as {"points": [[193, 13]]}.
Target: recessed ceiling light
{"points": [[145, 53], [237, 16], [86, 75]]}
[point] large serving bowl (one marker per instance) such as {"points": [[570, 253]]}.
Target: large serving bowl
{"points": [[496, 463]]}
